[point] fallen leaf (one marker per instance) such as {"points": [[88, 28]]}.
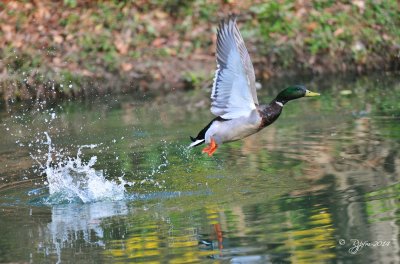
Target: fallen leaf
{"points": [[126, 66], [121, 45], [311, 26], [7, 28], [360, 4], [158, 42], [338, 32], [57, 61], [58, 39]]}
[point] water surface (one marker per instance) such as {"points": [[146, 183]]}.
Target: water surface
{"points": [[114, 181]]}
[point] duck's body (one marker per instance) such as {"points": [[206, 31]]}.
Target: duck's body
{"points": [[221, 130], [234, 96]]}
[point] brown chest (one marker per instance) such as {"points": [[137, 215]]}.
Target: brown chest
{"points": [[270, 114]]}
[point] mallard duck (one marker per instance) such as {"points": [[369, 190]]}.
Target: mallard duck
{"points": [[233, 96]]}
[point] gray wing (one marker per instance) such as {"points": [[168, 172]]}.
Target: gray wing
{"points": [[247, 64], [233, 94]]}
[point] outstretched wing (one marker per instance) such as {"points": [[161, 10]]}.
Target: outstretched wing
{"points": [[247, 64], [234, 93]]}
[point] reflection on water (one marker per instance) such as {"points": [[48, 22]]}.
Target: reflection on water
{"points": [[320, 185], [73, 222]]}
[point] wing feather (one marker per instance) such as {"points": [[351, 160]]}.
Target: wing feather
{"points": [[247, 64], [233, 93]]}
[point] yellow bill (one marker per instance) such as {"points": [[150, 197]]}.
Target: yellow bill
{"points": [[309, 93]]}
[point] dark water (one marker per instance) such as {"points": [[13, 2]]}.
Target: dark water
{"points": [[320, 185]]}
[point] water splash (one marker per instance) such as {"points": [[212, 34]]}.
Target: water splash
{"points": [[74, 180]]}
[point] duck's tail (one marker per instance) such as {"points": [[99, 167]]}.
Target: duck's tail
{"points": [[196, 142], [200, 139]]}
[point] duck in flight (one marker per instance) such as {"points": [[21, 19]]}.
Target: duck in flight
{"points": [[234, 98]]}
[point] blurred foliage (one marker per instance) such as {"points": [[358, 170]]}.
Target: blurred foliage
{"points": [[340, 34], [170, 44]]}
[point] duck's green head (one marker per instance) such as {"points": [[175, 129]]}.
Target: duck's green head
{"points": [[294, 92]]}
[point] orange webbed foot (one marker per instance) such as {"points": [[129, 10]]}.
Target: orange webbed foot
{"points": [[210, 149]]}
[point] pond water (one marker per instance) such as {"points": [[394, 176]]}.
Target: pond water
{"points": [[111, 180]]}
